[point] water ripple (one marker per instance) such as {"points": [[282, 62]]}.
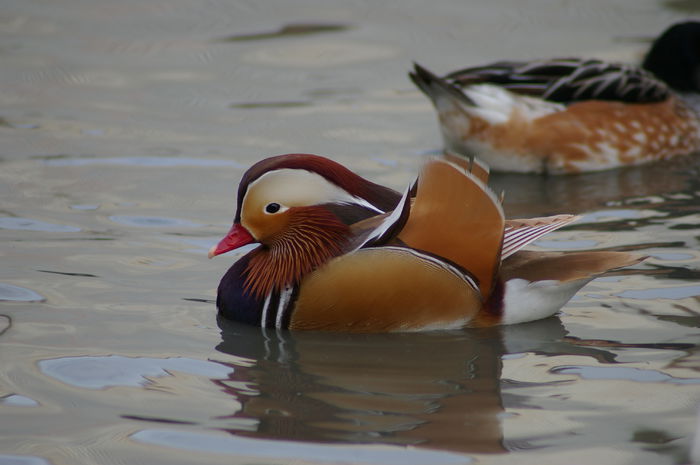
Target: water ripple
{"points": [[143, 161], [675, 293], [622, 373], [22, 460], [293, 451], [16, 400], [29, 224], [101, 372], [566, 244], [84, 207], [295, 29], [151, 221], [19, 294]]}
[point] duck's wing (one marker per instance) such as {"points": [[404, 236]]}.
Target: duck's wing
{"points": [[469, 163], [521, 232], [382, 229], [567, 80], [565, 266], [458, 218]]}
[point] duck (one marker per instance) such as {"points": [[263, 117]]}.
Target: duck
{"points": [[573, 115], [337, 252]]}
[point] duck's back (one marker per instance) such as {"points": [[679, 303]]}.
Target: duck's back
{"points": [[567, 80]]}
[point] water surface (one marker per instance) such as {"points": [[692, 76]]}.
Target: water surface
{"points": [[126, 127]]}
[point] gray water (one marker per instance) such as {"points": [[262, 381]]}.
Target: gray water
{"points": [[126, 126]]}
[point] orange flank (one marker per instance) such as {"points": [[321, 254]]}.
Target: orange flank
{"points": [[383, 290]]}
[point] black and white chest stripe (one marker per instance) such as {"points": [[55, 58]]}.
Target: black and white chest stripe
{"points": [[277, 308]]}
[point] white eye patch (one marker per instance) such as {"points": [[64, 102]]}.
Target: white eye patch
{"points": [[297, 188]]}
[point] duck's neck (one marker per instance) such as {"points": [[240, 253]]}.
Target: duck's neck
{"points": [[674, 57]]}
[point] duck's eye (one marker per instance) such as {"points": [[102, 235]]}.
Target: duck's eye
{"points": [[272, 207]]}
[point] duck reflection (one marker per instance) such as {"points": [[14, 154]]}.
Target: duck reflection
{"points": [[527, 195], [439, 390]]}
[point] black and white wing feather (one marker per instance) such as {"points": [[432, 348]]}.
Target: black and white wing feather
{"points": [[568, 80]]}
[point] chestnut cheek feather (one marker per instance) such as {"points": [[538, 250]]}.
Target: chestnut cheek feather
{"points": [[312, 236], [238, 236]]}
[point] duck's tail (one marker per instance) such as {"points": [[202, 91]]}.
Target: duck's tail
{"points": [[437, 88], [539, 284]]}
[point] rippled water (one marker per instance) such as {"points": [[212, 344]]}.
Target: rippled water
{"points": [[126, 127]]}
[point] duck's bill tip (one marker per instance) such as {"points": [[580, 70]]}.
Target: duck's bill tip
{"points": [[212, 252], [238, 236]]}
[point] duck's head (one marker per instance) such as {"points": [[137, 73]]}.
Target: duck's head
{"points": [[674, 56], [299, 208]]}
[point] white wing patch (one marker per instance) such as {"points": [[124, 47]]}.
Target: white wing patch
{"points": [[496, 104], [390, 221]]}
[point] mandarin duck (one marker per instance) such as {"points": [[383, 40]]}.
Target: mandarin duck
{"points": [[339, 253], [571, 115]]}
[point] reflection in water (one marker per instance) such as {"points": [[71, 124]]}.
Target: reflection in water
{"points": [[527, 195], [441, 390], [675, 293], [167, 162], [17, 400], [294, 451], [84, 207], [299, 29], [438, 390], [19, 294], [70, 273], [30, 224], [152, 221], [684, 6], [22, 460], [101, 372], [623, 373], [5, 324], [566, 245], [250, 105]]}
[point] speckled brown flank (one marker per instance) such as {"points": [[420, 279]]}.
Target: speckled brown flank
{"points": [[595, 134]]}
